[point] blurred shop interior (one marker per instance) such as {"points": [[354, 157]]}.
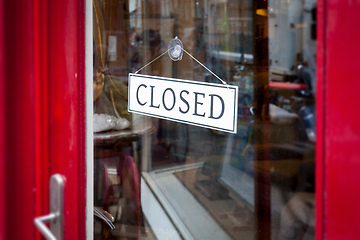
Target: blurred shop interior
{"points": [[160, 179]]}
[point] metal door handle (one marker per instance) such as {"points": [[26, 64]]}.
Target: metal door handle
{"points": [[56, 215], [40, 224]]}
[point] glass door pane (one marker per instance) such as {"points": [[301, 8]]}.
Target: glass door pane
{"points": [[160, 179]]}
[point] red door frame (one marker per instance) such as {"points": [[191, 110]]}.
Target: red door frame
{"points": [[66, 95], [2, 124], [338, 117], [42, 113]]}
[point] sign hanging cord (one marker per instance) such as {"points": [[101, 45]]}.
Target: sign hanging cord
{"points": [[153, 60], [222, 81], [204, 66]]}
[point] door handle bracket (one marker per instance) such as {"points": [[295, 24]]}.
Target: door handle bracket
{"points": [[56, 215]]}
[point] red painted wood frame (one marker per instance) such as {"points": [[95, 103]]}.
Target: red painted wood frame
{"points": [[2, 123], [42, 113], [338, 117]]}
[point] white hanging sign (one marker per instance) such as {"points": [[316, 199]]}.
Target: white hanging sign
{"points": [[197, 103]]}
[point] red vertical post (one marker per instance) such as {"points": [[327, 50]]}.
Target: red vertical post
{"points": [[338, 128], [67, 108], [42, 113], [320, 123], [2, 122], [41, 108], [18, 80]]}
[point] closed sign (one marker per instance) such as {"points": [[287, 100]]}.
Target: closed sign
{"points": [[201, 104]]}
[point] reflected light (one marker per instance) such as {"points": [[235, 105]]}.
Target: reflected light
{"points": [[262, 12]]}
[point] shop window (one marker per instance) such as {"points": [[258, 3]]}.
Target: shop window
{"points": [[161, 179]]}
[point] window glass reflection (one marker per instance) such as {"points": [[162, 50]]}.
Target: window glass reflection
{"points": [[159, 179]]}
